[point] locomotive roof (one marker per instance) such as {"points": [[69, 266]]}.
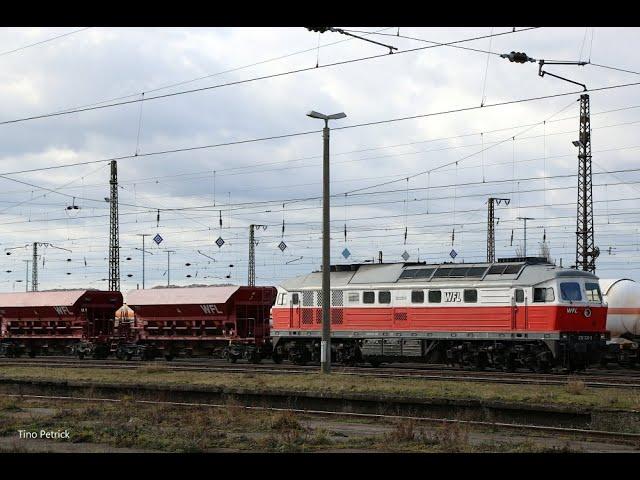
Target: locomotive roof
{"points": [[180, 296], [60, 298], [516, 273]]}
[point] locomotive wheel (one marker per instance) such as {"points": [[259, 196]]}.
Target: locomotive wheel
{"points": [[375, 363], [169, 357], [232, 359], [81, 355], [32, 354], [277, 358], [129, 356]]}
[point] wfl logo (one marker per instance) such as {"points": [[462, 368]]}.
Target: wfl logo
{"points": [[210, 309], [452, 297], [62, 310], [572, 310]]}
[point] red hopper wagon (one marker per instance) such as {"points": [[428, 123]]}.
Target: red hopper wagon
{"points": [[70, 321], [227, 321]]}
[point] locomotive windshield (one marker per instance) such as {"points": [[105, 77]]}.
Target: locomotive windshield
{"points": [[570, 291]]}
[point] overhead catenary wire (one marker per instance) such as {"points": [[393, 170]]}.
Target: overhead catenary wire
{"points": [[235, 82], [295, 134], [43, 41]]}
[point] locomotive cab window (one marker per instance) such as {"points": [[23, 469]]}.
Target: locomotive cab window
{"points": [[368, 297], [435, 296], [417, 296], [519, 295], [295, 298], [543, 295], [471, 296], [282, 299], [570, 291], [593, 292], [384, 297]]}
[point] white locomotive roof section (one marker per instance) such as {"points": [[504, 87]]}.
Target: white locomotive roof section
{"points": [[377, 273], [180, 296], [437, 275], [536, 274], [314, 281]]}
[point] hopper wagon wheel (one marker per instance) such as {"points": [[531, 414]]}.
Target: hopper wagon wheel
{"points": [[81, 355], [168, 357], [32, 354]]}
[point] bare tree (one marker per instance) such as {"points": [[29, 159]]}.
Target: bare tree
{"points": [[519, 251], [545, 251]]}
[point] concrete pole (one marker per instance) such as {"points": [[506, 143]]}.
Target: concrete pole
{"points": [[325, 349]]}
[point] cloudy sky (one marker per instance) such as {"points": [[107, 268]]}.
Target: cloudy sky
{"points": [[520, 151]]}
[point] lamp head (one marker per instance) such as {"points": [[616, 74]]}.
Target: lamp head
{"points": [[314, 114]]}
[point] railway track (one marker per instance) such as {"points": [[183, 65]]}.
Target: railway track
{"points": [[595, 379], [579, 432]]}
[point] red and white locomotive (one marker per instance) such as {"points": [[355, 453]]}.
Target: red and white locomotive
{"points": [[520, 312]]}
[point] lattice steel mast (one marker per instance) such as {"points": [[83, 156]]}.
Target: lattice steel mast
{"points": [[586, 251], [114, 234], [251, 281], [34, 269], [491, 237]]}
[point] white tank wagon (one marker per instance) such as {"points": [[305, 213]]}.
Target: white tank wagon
{"points": [[623, 319]]}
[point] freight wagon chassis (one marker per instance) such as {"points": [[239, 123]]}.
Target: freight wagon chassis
{"points": [[230, 350], [36, 347]]}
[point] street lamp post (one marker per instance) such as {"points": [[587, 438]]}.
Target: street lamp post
{"points": [[325, 344]]}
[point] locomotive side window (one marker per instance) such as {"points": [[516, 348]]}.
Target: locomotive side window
{"points": [[384, 297], [368, 297], [570, 291], [435, 296], [471, 296], [353, 297], [543, 295], [519, 295], [417, 296], [295, 298], [282, 299], [593, 292]]}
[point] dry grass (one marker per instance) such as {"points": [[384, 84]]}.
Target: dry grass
{"points": [[447, 437], [576, 387], [153, 375], [152, 368]]}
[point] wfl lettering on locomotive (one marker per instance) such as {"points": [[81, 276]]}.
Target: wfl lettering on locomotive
{"points": [[512, 314]]}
